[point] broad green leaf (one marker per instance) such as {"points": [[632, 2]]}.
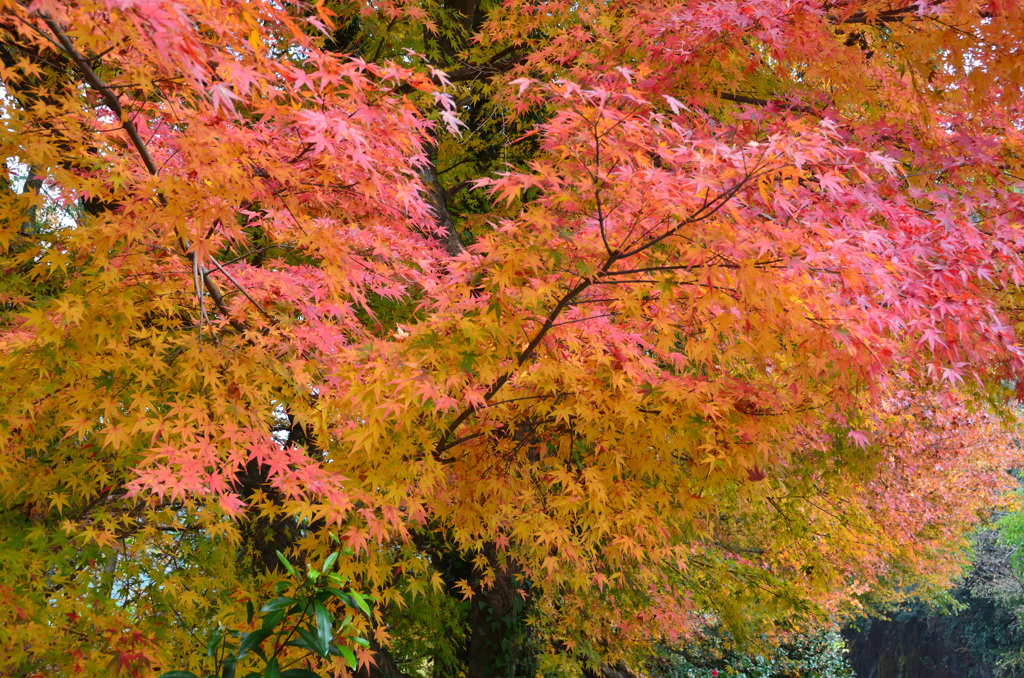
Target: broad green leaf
{"points": [[278, 604], [252, 640], [273, 619], [349, 656], [323, 626], [312, 640], [214, 642], [284, 561], [353, 599], [302, 643]]}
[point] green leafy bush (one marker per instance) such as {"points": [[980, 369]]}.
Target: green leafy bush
{"points": [[818, 656]]}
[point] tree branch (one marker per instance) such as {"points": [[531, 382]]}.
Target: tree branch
{"points": [[111, 99], [754, 101]]}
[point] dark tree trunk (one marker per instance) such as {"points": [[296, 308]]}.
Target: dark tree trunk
{"points": [[438, 199], [491, 650], [386, 666]]}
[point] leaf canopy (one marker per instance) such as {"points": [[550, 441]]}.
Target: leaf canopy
{"points": [[651, 315]]}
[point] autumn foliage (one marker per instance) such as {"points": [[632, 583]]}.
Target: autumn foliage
{"points": [[569, 327]]}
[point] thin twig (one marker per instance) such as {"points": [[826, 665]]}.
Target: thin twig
{"points": [[240, 288]]}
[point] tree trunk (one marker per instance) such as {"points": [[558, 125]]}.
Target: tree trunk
{"points": [[438, 199], [491, 650]]}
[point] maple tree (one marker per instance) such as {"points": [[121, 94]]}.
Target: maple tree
{"points": [[581, 326]]}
